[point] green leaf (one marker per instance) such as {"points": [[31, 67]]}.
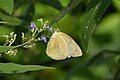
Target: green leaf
{"points": [[10, 20], [54, 3], [6, 48], [94, 12], [117, 72], [7, 5], [116, 4], [104, 55], [28, 11], [11, 68], [67, 9]]}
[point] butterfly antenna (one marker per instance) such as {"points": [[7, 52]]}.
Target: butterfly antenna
{"points": [[58, 27]]}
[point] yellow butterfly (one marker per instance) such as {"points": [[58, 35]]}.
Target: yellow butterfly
{"points": [[62, 46]]}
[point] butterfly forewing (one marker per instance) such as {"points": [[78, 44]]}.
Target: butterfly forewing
{"points": [[57, 48]]}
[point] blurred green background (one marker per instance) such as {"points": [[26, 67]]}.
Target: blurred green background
{"points": [[100, 62]]}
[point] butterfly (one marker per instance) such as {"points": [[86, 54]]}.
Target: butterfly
{"points": [[62, 46]]}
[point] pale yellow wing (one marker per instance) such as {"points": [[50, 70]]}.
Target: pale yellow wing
{"points": [[57, 48], [73, 49]]}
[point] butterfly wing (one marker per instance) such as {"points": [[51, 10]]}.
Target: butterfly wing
{"points": [[73, 49], [57, 48]]}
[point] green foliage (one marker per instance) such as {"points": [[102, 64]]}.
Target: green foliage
{"points": [[6, 48], [10, 20], [94, 12], [104, 55], [67, 9], [7, 5], [93, 24], [11, 68], [117, 4]]}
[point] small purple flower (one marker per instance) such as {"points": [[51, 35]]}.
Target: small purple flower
{"points": [[44, 38], [32, 25], [49, 28]]}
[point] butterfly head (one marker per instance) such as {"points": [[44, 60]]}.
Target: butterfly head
{"points": [[56, 30]]}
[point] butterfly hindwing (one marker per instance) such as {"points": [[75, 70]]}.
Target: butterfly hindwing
{"points": [[73, 49]]}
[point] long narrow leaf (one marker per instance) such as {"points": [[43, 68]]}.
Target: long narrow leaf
{"points": [[67, 9], [94, 12], [7, 5], [10, 19], [11, 68], [6, 48]]}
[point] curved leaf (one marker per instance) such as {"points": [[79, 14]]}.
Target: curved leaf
{"points": [[104, 55], [94, 12], [10, 20], [7, 5], [11, 68]]}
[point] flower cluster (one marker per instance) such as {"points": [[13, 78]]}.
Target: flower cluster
{"points": [[35, 31], [9, 41], [28, 42]]}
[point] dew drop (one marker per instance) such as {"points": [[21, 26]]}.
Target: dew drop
{"points": [[85, 37], [0, 55], [86, 27], [98, 19]]}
